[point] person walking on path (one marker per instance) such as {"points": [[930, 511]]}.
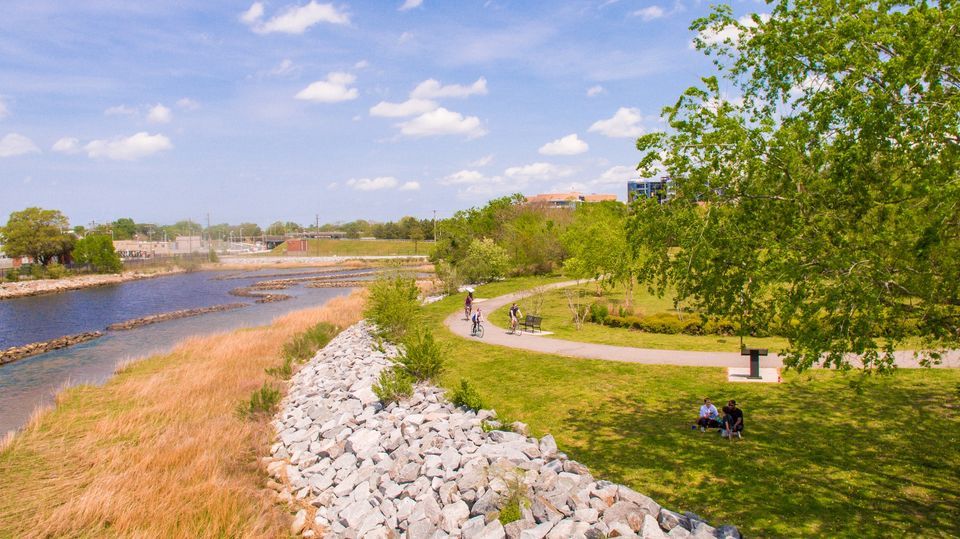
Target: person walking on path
{"points": [[515, 315]]}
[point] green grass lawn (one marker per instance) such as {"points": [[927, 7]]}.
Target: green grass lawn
{"points": [[819, 457], [559, 320], [327, 247]]}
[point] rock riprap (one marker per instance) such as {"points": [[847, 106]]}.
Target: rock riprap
{"points": [[426, 469]]}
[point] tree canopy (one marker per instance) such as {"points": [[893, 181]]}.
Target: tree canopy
{"points": [[96, 251], [821, 194], [38, 233]]}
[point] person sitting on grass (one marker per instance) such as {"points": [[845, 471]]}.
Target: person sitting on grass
{"points": [[709, 416], [732, 420]]}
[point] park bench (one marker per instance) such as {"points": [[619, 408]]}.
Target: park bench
{"points": [[531, 322]]}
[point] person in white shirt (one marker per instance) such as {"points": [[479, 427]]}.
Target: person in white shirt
{"points": [[709, 416]]}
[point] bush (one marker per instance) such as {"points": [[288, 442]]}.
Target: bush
{"points": [[423, 357], [212, 256], [599, 312], [467, 397], [13, 275], [450, 277], [284, 371], [692, 325], [36, 271], [720, 326], [515, 500], [56, 271], [394, 384], [305, 345], [485, 261], [393, 306], [96, 251], [263, 400]]}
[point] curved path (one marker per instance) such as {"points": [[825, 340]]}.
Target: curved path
{"points": [[536, 343]]}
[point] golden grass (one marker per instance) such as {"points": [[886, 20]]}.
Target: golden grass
{"points": [[158, 451]]}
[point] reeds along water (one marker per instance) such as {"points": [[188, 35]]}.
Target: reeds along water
{"points": [[159, 450]]}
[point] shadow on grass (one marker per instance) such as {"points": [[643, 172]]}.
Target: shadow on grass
{"points": [[817, 458]]}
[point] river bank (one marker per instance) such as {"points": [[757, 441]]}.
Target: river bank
{"points": [[194, 474], [14, 353], [39, 287]]}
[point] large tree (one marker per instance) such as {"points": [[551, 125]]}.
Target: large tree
{"points": [[597, 244], [96, 251], [817, 187], [38, 233]]}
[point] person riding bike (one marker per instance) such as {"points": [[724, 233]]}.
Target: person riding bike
{"points": [[477, 320], [514, 317], [468, 304]]}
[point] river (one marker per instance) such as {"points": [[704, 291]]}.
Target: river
{"points": [[31, 382]]}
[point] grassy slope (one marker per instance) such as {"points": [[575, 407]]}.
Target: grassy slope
{"points": [[157, 451], [557, 318], [819, 457], [324, 247]]}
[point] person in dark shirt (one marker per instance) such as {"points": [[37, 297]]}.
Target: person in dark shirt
{"points": [[732, 420]]}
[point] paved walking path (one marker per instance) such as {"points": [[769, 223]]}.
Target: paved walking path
{"points": [[502, 337]]}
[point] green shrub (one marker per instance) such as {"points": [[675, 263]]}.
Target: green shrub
{"points": [[263, 400], [467, 397], [96, 251], [720, 326], [662, 323], [394, 384], [599, 312], [304, 346], [13, 275], [423, 358], [212, 256], [393, 306], [284, 371], [692, 325], [36, 271], [485, 261], [450, 277], [515, 500], [56, 271]]}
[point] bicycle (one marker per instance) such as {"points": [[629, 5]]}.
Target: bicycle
{"points": [[515, 327], [477, 330], [467, 311]]}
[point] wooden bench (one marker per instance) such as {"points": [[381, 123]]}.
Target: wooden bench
{"points": [[531, 322]]}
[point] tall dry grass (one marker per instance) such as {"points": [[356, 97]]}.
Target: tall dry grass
{"points": [[158, 451]]}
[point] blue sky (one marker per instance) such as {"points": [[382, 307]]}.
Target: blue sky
{"points": [[167, 110]]}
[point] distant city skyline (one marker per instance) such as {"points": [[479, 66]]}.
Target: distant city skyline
{"points": [[267, 111]]}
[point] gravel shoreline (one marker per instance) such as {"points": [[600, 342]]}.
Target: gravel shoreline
{"points": [[423, 468], [53, 286]]}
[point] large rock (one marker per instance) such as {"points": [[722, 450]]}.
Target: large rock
{"points": [[627, 513]]}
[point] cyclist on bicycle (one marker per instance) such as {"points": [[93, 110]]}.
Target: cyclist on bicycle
{"points": [[514, 317], [477, 320], [468, 304]]}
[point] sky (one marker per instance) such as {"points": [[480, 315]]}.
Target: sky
{"points": [[275, 110]]}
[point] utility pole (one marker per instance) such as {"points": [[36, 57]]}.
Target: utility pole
{"points": [[316, 237], [434, 226], [208, 226]]}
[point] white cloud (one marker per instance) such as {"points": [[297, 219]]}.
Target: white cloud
{"points": [[362, 64], [67, 145], [616, 175], [537, 171], [730, 32], [405, 37], [410, 4], [432, 89], [16, 144], [373, 184], [129, 148], [482, 162], [410, 186], [410, 107], [568, 145], [333, 90], [158, 114], [120, 110], [624, 123], [252, 15], [294, 20], [187, 104], [464, 177], [4, 111], [594, 91], [442, 122], [650, 13]]}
